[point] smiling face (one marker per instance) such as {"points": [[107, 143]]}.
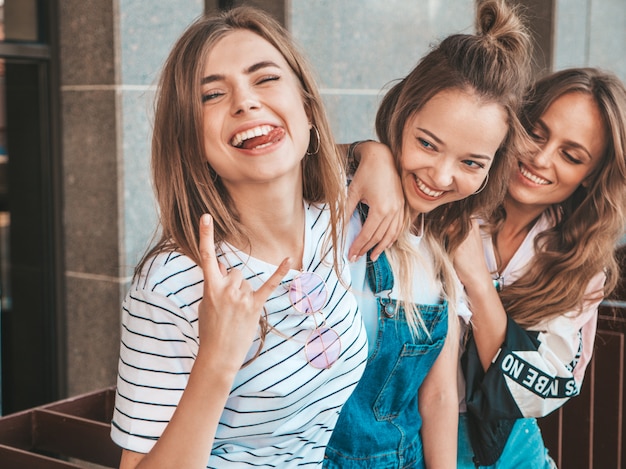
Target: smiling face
{"points": [[572, 139], [448, 147], [255, 125]]}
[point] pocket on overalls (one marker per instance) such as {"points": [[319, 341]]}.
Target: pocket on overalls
{"points": [[405, 378]]}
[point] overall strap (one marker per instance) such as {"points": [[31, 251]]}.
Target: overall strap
{"points": [[379, 273]]}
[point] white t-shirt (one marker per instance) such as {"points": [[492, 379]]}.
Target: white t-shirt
{"points": [[281, 410], [426, 288]]}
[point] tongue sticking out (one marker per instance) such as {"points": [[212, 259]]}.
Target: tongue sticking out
{"points": [[273, 136]]}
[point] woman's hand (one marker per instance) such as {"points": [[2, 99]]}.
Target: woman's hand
{"points": [[229, 311], [489, 319], [228, 320], [469, 259], [377, 184]]}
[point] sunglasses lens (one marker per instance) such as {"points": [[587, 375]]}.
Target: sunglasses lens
{"points": [[307, 293], [323, 347]]}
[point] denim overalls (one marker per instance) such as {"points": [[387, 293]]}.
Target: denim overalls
{"points": [[379, 426]]}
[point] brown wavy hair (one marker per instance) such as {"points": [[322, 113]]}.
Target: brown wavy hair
{"points": [[186, 185], [589, 223]]}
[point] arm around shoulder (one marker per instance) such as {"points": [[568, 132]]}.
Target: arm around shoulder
{"points": [[377, 184]]}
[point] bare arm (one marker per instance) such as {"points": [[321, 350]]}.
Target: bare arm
{"points": [[512, 371], [489, 319], [376, 183], [439, 405], [188, 437]]}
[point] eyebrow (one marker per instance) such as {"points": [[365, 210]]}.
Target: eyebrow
{"points": [[251, 69], [570, 143], [438, 140]]}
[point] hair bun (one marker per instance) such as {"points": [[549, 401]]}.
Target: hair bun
{"points": [[499, 22]]}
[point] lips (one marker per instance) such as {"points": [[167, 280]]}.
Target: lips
{"points": [[257, 137], [532, 177]]}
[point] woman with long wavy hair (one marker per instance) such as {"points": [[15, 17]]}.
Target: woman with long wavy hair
{"points": [[240, 338], [550, 260]]}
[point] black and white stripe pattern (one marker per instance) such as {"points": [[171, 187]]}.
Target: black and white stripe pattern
{"points": [[281, 410]]}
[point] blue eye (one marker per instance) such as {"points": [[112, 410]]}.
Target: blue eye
{"points": [[426, 144], [473, 164], [209, 96]]}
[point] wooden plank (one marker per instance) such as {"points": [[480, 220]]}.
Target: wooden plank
{"points": [[608, 399], [16, 430], [15, 458], [94, 406], [75, 437], [577, 423], [109, 402]]}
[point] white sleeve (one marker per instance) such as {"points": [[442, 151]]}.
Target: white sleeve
{"points": [[157, 351], [535, 371]]}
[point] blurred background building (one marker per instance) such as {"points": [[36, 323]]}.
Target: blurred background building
{"points": [[76, 86]]}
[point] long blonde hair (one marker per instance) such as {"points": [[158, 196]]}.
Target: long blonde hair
{"points": [[589, 223], [493, 64], [186, 185]]}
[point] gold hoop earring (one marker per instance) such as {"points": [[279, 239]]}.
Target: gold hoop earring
{"points": [[483, 185], [319, 141]]}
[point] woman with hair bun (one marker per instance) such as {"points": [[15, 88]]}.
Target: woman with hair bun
{"points": [[453, 130]]}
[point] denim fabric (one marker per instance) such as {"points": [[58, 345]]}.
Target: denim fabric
{"points": [[379, 426], [524, 449]]}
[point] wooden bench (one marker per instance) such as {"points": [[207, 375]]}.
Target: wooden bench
{"points": [[67, 434]]}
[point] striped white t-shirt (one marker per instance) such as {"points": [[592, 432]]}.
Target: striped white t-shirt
{"points": [[281, 410]]}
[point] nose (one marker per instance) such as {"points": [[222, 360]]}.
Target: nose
{"points": [[244, 100], [543, 156], [442, 173]]}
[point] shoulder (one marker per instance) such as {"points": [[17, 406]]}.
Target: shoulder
{"points": [[167, 270], [169, 277]]}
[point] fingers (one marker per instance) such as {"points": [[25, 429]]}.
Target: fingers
{"points": [[392, 233], [265, 290], [383, 225], [378, 233], [213, 270], [365, 240], [208, 257]]}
